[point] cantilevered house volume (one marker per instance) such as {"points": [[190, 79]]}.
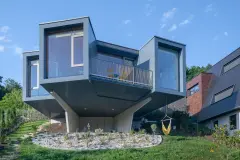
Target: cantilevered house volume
{"points": [[76, 79]]}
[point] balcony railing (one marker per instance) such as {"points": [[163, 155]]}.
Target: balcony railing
{"points": [[120, 72]]}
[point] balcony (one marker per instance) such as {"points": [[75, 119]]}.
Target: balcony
{"points": [[112, 71]]}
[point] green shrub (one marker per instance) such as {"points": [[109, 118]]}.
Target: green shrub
{"points": [[154, 128], [221, 137], [142, 131], [132, 132]]}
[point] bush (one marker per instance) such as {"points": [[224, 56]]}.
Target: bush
{"points": [[221, 137], [154, 128]]}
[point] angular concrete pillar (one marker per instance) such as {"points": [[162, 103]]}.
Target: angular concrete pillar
{"points": [[123, 121], [72, 118]]}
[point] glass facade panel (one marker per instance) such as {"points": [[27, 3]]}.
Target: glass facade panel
{"points": [[78, 50], [34, 88], [60, 49], [34, 74], [168, 67], [110, 58]]}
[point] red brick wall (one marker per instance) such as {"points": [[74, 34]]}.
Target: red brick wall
{"points": [[195, 101]]}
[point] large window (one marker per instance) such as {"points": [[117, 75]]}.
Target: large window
{"points": [[231, 64], [34, 67], [223, 94], [34, 88], [168, 67], [233, 122], [193, 90], [64, 54]]}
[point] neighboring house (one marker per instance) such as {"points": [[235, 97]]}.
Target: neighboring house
{"points": [[76, 79], [222, 103], [214, 97]]}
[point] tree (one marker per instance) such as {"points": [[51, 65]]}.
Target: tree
{"points": [[2, 88], [195, 70], [11, 84]]}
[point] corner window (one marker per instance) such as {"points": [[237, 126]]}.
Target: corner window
{"points": [[231, 64], [215, 123], [64, 53], [168, 68], [223, 94], [193, 90], [77, 50], [34, 77], [233, 122]]}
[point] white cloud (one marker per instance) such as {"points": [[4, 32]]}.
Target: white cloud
{"points": [[149, 9], [172, 28], [127, 21], [186, 21], [4, 29], [208, 8], [2, 48], [18, 50], [4, 39], [169, 14], [225, 33], [162, 25]]}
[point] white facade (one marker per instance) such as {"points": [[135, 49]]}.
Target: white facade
{"points": [[225, 120]]}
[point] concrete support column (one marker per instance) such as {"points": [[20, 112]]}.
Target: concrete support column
{"points": [[72, 118], [123, 121]]}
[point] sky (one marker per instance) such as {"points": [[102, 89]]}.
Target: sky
{"points": [[209, 28]]}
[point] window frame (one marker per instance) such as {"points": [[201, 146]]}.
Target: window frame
{"points": [[213, 98], [215, 124], [173, 50], [36, 63], [238, 57], [192, 88], [235, 127], [74, 35]]}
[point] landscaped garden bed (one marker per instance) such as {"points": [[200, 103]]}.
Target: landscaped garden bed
{"points": [[95, 141]]}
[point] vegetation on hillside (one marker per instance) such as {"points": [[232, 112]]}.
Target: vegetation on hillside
{"points": [[193, 71]]}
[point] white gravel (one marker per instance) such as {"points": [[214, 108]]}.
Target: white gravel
{"points": [[80, 141]]}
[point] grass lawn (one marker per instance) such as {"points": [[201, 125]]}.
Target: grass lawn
{"points": [[29, 127], [172, 148]]}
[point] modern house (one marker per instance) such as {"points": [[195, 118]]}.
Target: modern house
{"points": [[214, 96], [76, 79]]}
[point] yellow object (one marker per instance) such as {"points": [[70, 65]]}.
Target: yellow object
{"points": [[166, 131], [211, 150]]}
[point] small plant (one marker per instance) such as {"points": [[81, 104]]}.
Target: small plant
{"points": [[154, 128], [132, 132], [99, 131], [88, 127], [65, 138], [34, 127], [142, 131]]}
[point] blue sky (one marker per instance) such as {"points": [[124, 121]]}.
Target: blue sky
{"points": [[210, 29]]}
